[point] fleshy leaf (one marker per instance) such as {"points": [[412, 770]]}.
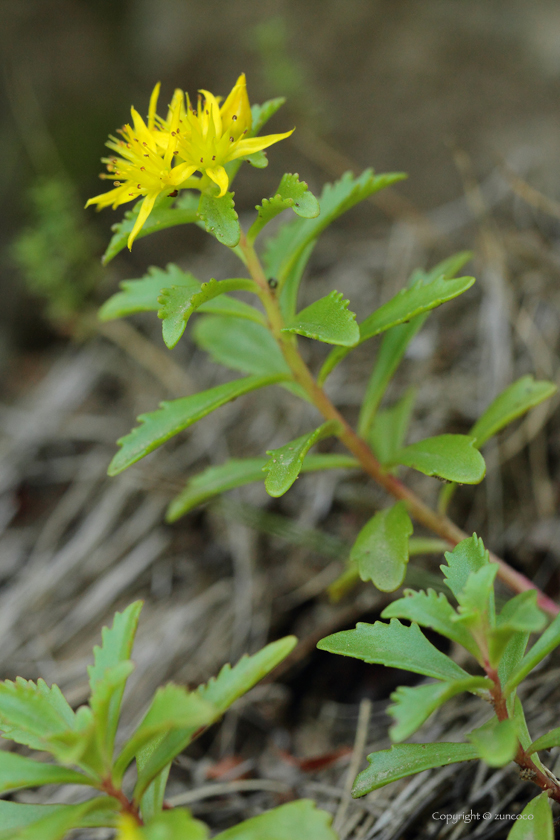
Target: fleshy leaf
{"points": [[142, 296], [476, 600], [249, 348], [413, 706], [396, 646], [381, 548], [17, 772], [162, 216], [291, 193], [520, 615], [239, 471], [107, 676], [535, 821], [514, 401], [424, 292], [430, 609], [546, 742], [32, 713], [546, 643], [178, 303], [174, 824], [495, 742], [295, 819], [452, 457], [220, 218], [172, 708], [468, 556], [512, 655], [412, 301], [52, 822], [390, 426], [285, 464], [285, 250], [220, 692], [328, 320], [173, 417], [405, 760]]}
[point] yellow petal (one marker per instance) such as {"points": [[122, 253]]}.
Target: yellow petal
{"points": [[256, 144], [153, 106], [237, 105], [219, 175], [141, 129], [110, 197], [128, 829], [181, 173], [145, 210], [212, 106]]}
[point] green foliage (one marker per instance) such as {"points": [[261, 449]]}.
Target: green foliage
{"points": [[396, 646], [328, 320], [178, 303], [496, 641], [514, 401], [291, 193], [390, 426], [452, 457], [381, 548], [39, 717], [405, 760], [495, 741], [57, 253], [173, 417], [295, 819], [239, 471], [249, 348], [220, 218], [535, 821], [142, 296], [285, 464]]}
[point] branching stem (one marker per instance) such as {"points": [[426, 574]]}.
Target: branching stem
{"points": [[436, 522], [128, 806]]}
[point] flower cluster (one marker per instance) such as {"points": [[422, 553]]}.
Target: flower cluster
{"points": [[164, 154]]}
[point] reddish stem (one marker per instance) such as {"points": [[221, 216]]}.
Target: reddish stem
{"points": [[127, 805]]}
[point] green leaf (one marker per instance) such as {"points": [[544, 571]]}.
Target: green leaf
{"points": [[476, 600], [233, 682], [328, 320], [295, 819], [412, 301], [176, 824], [405, 760], [249, 348], [220, 692], [285, 250], [512, 656], [220, 218], [381, 548], [468, 556], [389, 428], [107, 676], [430, 609], [52, 822], [519, 617], [17, 772], [239, 471], [142, 296], [413, 706], [175, 416], [549, 640], [162, 216], [151, 802], [172, 708], [535, 821], [32, 713], [178, 303], [546, 742], [291, 193], [514, 401], [495, 742], [452, 457], [285, 464], [396, 646]]}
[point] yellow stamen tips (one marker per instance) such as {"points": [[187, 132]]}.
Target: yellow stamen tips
{"points": [[163, 155]]}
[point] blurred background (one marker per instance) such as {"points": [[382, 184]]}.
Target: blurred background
{"points": [[464, 96]]}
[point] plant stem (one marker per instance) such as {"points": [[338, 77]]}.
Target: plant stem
{"points": [[525, 762], [436, 522], [127, 805]]}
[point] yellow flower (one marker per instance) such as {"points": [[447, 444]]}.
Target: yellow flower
{"points": [[164, 154], [209, 136], [142, 170]]}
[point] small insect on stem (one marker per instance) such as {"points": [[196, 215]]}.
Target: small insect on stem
{"points": [[272, 283], [527, 774], [173, 194]]}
